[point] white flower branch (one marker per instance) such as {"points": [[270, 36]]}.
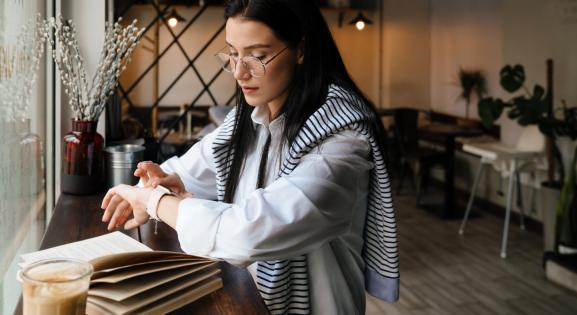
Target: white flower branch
{"points": [[88, 99]]}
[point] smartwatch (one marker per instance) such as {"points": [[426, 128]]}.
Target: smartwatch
{"points": [[154, 199]]}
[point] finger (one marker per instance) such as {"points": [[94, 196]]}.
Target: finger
{"points": [[109, 194], [165, 181], [171, 182], [153, 169], [124, 216], [132, 223], [111, 207], [142, 173], [115, 221]]}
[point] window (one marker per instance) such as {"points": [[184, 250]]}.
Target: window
{"points": [[24, 108]]}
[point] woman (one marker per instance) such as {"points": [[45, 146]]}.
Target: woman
{"points": [[297, 171]]}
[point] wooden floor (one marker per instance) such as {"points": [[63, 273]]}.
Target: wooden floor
{"points": [[443, 273]]}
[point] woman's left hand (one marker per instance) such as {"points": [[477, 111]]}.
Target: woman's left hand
{"points": [[123, 200]]}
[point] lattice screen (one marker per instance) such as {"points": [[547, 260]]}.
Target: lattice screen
{"points": [[172, 67]]}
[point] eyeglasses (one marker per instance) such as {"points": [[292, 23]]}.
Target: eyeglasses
{"points": [[254, 65]]}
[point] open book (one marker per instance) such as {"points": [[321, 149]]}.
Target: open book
{"points": [[130, 278]]}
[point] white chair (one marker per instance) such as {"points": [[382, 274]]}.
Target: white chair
{"points": [[525, 156]]}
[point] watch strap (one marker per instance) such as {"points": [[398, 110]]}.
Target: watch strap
{"points": [[154, 200]]}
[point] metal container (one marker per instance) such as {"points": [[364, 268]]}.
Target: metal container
{"points": [[121, 161]]}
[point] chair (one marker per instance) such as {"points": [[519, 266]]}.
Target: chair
{"points": [[510, 161], [411, 153]]}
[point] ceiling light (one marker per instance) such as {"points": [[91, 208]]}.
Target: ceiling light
{"points": [[173, 18], [360, 21]]}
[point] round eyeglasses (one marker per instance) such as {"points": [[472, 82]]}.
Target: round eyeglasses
{"points": [[255, 66]]}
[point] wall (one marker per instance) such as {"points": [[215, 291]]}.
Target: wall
{"points": [[188, 87], [464, 34], [405, 63], [487, 35], [358, 49], [406, 54], [534, 31]]}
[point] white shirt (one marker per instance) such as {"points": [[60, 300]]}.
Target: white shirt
{"points": [[319, 209]]}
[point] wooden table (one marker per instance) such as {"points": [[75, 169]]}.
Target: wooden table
{"points": [[448, 133], [78, 217]]}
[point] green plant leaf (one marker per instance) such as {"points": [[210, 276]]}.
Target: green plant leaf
{"points": [[548, 126], [490, 109], [529, 111], [570, 122], [512, 78], [538, 92]]}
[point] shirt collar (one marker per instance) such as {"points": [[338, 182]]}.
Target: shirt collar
{"points": [[260, 115]]}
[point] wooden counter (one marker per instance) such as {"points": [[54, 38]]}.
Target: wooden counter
{"points": [[79, 217]]}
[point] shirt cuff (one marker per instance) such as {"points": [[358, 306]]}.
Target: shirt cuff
{"points": [[197, 224]]}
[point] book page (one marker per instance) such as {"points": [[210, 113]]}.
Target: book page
{"points": [[124, 274], [182, 298], [159, 292], [126, 260], [103, 273], [133, 286], [111, 243], [187, 295]]}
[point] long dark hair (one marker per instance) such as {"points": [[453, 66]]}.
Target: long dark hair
{"points": [[293, 22]]}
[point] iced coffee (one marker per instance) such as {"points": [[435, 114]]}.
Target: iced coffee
{"points": [[56, 287]]}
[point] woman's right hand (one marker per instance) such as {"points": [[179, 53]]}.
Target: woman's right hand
{"points": [[152, 175]]}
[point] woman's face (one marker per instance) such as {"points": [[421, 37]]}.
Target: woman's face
{"points": [[251, 38]]}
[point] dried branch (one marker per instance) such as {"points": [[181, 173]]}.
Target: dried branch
{"points": [[88, 99]]}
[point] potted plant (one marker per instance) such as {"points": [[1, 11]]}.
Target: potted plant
{"points": [[531, 107], [472, 83], [82, 162]]}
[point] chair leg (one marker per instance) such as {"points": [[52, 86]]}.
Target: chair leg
{"points": [[500, 188], [402, 168], [419, 184], [520, 200], [508, 210], [421, 180], [414, 175], [472, 197], [533, 210]]}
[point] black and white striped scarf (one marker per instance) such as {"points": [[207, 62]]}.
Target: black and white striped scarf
{"points": [[284, 284]]}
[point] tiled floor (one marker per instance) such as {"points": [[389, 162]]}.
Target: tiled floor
{"points": [[443, 273]]}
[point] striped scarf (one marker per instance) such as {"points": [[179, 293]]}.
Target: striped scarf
{"points": [[284, 284]]}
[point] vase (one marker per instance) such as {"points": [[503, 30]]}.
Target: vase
{"points": [[549, 197], [567, 212], [82, 159]]}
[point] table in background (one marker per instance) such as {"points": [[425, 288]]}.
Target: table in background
{"points": [[77, 218], [448, 133]]}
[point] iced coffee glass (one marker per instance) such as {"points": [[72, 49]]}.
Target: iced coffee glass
{"points": [[56, 287]]}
